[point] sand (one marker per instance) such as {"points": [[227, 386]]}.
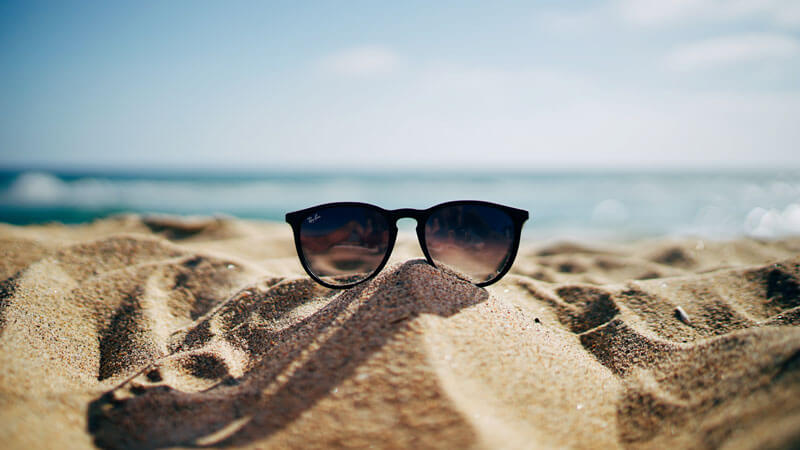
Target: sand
{"points": [[138, 332]]}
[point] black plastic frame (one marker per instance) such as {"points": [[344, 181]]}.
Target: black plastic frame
{"points": [[295, 219]]}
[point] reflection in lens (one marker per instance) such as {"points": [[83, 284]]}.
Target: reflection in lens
{"points": [[474, 241], [344, 244]]}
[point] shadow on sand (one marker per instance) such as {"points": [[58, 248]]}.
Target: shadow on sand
{"points": [[255, 364]]}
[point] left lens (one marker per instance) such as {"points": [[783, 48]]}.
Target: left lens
{"points": [[343, 245], [473, 240]]}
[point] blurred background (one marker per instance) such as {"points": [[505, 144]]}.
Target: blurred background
{"points": [[609, 118]]}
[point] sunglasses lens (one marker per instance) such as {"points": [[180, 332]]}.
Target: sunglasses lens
{"points": [[475, 241], [343, 245]]}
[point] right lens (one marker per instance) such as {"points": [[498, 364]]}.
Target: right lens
{"points": [[343, 245], [473, 240]]}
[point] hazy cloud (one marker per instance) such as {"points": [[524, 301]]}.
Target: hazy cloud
{"points": [[503, 95], [731, 50], [361, 61], [571, 21], [666, 14], [650, 12], [482, 116], [663, 12]]}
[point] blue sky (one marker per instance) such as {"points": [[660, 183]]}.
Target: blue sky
{"points": [[627, 83]]}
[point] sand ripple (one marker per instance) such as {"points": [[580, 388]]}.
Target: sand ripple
{"points": [[142, 333]]}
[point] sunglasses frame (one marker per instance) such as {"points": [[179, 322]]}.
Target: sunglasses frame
{"points": [[296, 218]]}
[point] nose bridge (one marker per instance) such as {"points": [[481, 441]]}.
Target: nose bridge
{"points": [[406, 213]]}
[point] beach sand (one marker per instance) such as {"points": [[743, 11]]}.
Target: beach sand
{"points": [[138, 332]]}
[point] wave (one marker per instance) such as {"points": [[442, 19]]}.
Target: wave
{"points": [[41, 189], [773, 223], [574, 205]]}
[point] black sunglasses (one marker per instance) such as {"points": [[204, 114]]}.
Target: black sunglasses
{"points": [[343, 244]]}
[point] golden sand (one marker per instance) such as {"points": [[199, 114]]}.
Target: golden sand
{"points": [[164, 332]]}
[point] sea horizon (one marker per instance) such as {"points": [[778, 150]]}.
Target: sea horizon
{"points": [[614, 205]]}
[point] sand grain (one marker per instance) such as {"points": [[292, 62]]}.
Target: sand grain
{"points": [[150, 332]]}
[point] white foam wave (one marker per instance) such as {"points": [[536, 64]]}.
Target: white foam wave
{"points": [[253, 198], [36, 188], [773, 223], [46, 190], [721, 207]]}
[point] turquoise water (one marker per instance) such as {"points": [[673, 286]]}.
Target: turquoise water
{"points": [[563, 204]]}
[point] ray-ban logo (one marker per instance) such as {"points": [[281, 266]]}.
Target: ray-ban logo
{"points": [[314, 218]]}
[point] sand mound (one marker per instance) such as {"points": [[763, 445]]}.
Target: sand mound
{"points": [[142, 333]]}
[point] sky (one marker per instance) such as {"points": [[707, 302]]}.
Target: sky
{"points": [[690, 84]]}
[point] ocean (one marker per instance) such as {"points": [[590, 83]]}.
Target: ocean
{"points": [[563, 204]]}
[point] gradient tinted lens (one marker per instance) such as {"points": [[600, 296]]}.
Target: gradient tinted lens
{"points": [[475, 241], [343, 245]]}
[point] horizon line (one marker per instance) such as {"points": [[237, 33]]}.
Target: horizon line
{"points": [[384, 169]]}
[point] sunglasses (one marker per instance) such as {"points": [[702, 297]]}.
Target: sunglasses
{"points": [[343, 244]]}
